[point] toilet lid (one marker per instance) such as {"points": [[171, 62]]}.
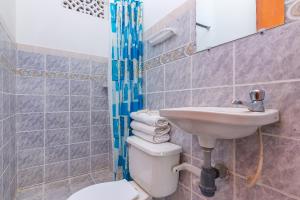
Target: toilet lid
{"points": [[118, 190]]}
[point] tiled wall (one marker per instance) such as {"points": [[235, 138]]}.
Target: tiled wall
{"points": [[8, 161], [62, 117], [176, 76], [54, 118]]}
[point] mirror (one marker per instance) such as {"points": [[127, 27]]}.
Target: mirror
{"points": [[222, 21]]}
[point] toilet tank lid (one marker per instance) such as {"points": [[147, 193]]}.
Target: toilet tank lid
{"points": [[164, 149]]}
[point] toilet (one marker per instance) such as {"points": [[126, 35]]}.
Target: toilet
{"points": [[150, 167]]}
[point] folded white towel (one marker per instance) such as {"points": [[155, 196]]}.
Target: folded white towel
{"points": [[150, 118], [150, 130], [158, 139]]}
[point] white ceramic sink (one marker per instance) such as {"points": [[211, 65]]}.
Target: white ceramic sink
{"points": [[212, 123]]}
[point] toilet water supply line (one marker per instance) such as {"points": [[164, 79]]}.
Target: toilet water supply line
{"points": [[251, 179], [187, 167]]}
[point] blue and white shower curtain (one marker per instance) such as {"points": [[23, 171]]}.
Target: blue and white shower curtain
{"points": [[127, 68]]}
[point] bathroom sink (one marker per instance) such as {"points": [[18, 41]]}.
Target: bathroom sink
{"points": [[212, 123]]}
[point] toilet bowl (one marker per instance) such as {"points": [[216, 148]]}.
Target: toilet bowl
{"points": [[150, 166]]}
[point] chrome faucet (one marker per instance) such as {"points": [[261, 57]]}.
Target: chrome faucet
{"points": [[257, 101]]}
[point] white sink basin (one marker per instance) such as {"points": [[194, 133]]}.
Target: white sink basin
{"points": [[212, 123]]}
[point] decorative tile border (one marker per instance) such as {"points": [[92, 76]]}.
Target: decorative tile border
{"points": [[191, 48], [36, 73], [171, 56], [63, 75], [54, 75], [154, 62]]}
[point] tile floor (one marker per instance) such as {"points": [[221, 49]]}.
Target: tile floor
{"points": [[61, 190]]}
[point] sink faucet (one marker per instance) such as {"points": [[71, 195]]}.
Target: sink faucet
{"points": [[257, 101]]}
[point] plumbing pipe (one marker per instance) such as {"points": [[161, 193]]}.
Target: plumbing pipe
{"points": [[188, 167], [207, 158], [208, 181], [252, 180], [207, 176]]}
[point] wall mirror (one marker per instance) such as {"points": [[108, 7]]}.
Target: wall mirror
{"points": [[222, 21]]}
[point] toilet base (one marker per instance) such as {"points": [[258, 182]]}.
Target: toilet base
{"points": [[142, 194]]}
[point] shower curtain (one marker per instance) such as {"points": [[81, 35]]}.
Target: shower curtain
{"points": [[127, 67]]}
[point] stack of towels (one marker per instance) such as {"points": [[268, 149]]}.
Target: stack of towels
{"points": [[149, 126]]}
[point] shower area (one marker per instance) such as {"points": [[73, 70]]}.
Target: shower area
{"points": [[55, 133]]}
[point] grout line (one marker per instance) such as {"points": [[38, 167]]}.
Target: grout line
{"points": [[234, 141], [233, 70], [236, 175], [234, 170], [188, 155], [61, 128], [146, 89], [7, 118], [191, 78], [63, 180], [164, 92], [279, 191], [77, 95], [69, 131], [40, 95], [90, 129], [282, 137], [59, 112], [189, 89], [59, 162], [190, 26], [32, 68], [184, 186], [7, 93], [230, 86], [57, 146], [92, 177], [196, 159], [191, 158], [195, 193], [44, 97], [269, 82]]}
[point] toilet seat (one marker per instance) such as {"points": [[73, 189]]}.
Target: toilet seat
{"points": [[118, 190]]}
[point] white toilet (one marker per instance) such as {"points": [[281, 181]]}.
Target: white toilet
{"points": [[150, 166]]}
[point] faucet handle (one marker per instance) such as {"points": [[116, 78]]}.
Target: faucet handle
{"points": [[257, 95]]}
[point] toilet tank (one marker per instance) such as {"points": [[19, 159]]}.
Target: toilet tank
{"points": [[150, 166]]}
